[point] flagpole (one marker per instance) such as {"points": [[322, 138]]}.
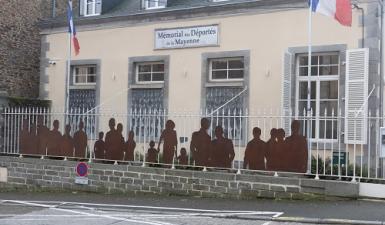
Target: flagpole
{"points": [[68, 67], [309, 110]]}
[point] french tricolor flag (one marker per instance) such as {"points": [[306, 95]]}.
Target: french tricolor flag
{"points": [[341, 10], [72, 29]]}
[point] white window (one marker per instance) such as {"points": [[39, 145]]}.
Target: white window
{"points": [[154, 4], [84, 75], [90, 7], [150, 72], [318, 93], [226, 69]]}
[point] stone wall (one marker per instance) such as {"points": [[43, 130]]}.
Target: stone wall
{"points": [[20, 44], [38, 174]]}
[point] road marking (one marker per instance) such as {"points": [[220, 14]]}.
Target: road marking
{"points": [[89, 214]]}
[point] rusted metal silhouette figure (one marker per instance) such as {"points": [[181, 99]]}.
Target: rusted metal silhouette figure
{"points": [[152, 153], [183, 158], [113, 142], [53, 145], [67, 143], [80, 141], [25, 139], [281, 154], [34, 140], [221, 150], [170, 142], [120, 153], [255, 152], [200, 144], [297, 148], [100, 147], [272, 155], [129, 147], [43, 136]]}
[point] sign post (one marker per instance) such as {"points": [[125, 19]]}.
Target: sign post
{"points": [[81, 172]]}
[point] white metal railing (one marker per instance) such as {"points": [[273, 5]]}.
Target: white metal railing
{"points": [[330, 155]]}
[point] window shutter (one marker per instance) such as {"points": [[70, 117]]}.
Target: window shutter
{"points": [[356, 107], [81, 7], [286, 92], [98, 7]]}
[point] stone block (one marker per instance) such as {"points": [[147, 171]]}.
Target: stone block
{"points": [[193, 181], [247, 193], [16, 180], [131, 174], [207, 182], [217, 189], [293, 189], [171, 178], [145, 176], [158, 177], [152, 183], [260, 186], [138, 182], [114, 179], [177, 186], [118, 173], [104, 178], [283, 195], [179, 173], [200, 187], [233, 191], [221, 183], [244, 185], [266, 194], [164, 184], [187, 186], [97, 172], [277, 188], [126, 180], [214, 176]]}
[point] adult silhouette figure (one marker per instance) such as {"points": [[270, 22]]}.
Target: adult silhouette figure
{"points": [[200, 144], [67, 143], [271, 151], [297, 148], [53, 145], [25, 139], [100, 147], [221, 150], [255, 152], [170, 144], [113, 141], [129, 147], [120, 153], [34, 140], [80, 141], [43, 136]]}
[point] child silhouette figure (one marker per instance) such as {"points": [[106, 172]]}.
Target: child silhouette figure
{"points": [[183, 158], [152, 153], [100, 147]]}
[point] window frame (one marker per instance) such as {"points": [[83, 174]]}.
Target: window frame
{"points": [[74, 75], [157, 6], [211, 60], [137, 64], [85, 7], [318, 79]]}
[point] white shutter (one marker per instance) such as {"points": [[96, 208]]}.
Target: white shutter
{"points": [[356, 105], [98, 7], [81, 7], [286, 92]]}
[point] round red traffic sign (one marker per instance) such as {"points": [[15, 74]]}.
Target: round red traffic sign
{"points": [[82, 169]]}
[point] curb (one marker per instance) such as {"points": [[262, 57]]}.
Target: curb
{"points": [[325, 221]]}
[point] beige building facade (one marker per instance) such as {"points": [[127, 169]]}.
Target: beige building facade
{"points": [[252, 51]]}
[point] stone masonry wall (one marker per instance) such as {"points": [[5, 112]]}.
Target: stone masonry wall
{"points": [[20, 44], [38, 174]]}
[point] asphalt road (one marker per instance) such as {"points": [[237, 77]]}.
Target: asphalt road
{"points": [[85, 209]]}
